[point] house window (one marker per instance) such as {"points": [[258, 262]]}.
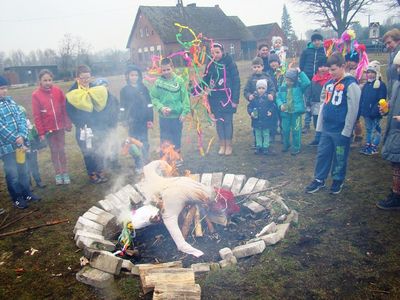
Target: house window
{"points": [[152, 49], [232, 49], [141, 32], [140, 54], [147, 31]]}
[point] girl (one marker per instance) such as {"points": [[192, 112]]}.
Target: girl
{"points": [[136, 108], [223, 86], [51, 120]]}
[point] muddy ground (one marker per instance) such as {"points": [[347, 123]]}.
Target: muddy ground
{"points": [[343, 247]]}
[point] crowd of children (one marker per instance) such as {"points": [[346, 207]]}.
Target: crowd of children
{"points": [[324, 89]]}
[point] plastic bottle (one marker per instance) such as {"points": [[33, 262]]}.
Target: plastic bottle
{"points": [[20, 155], [254, 114]]}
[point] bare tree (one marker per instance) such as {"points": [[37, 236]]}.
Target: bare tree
{"points": [[339, 14], [17, 57]]}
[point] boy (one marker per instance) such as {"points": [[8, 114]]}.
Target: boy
{"points": [[274, 71], [86, 108], [336, 121], [250, 91], [170, 97], [372, 91], [263, 115], [13, 136]]}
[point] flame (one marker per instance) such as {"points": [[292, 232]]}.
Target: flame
{"points": [[172, 157]]}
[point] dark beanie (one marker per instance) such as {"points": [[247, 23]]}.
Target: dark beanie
{"points": [[292, 74], [316, 36], [3, 81], [273, 57], [257, 61]]}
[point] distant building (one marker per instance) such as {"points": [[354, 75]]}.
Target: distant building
{"points": [[263, 33], [27, 74], [154, 32]]}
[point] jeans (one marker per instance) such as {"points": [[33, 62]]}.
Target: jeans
{"points": [[224, 125], [93, 161], [17, 178], [373, 130], [333, 152], [32, 166], [171, 130]]}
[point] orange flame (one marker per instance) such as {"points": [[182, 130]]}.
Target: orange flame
{"points": [[172, 157]]}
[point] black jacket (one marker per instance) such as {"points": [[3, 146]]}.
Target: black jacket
{"points": [[369, 99], [137, 108], [215, 79], [309, 58], [250, 87], [261, 105]]}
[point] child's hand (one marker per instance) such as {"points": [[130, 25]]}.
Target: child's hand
{"points": [[150, 125], [269, 113], [251, 97], [283, 107], [166, 111], [270, 97], [253, 115], [397, 118], [42, 138], [234, 105]]}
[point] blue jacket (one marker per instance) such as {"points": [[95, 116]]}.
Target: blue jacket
{"points": [[261, 105], [12, 125], [298, 95], [369, 99], [250, 88]]}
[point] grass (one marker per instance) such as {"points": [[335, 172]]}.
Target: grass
{"points": [[344, 247]]}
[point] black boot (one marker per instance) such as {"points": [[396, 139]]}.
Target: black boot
{"points": [[392, 202]]}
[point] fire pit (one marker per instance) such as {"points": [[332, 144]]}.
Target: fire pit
{"points": [[263, 220]]}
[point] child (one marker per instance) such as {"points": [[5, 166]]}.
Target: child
{"points": [[274, 70], [335, 122], [279, 49], [13, 137], [250, 91], [51, 121], [263, 114], [291, 105], [223, 81], [373, 90], [318, 81], [263, 52], [171, 99], [35, 144], [87, 108], [137, 109]]}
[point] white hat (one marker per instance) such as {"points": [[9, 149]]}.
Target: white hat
{"points": [[374, 66], [262, 82]]}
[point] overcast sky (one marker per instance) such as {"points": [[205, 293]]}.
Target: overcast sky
{"points": [[40, 24]]}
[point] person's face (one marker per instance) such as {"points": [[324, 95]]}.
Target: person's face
{"points": [[391, 44], [216, 53], [3, 91], [264, 51], [261, 90], [317, 43], [84, 79], [336, 71], [323, 69], [166, 71], [274, 65], [371, 75], [46, 81], [351, 65], [133, 77], [278, 44], [289, 82], [257, 69]]}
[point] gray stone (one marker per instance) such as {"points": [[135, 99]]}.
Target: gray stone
{"points": [[216, 179], [99, 244], [96, 210], [270, 228], [133, 194], [271, 239], [215, 266], [254, 206], [249, 249], [282, 218], [237, 184], [206, 179], [127, 265], [228, 181], [87, 225], [87, 252], [225, 253], [106, 262], [293, 217], [282, 229], [88, 234], [200, 267], [108, 207], [124, 197], [94, 277], [107, 220], [139, 188], [264, 201], [117, 202], [249, 186], [261, 185], [228, 262]]}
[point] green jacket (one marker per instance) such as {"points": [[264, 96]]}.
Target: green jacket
{"points": [[297, 95], [171, 93]]}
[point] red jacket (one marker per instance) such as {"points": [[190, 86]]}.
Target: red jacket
{"points": [[48, 108]]}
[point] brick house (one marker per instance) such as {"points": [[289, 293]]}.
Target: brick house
{"points": [[154, 33], [263, 33]]}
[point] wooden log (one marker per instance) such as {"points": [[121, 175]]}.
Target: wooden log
{"points": [[217, 218], [187, 221], [182, 276], [164, 291], [210, 225], [198, 230]]}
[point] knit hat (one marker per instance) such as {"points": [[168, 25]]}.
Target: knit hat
{"points": [[375, 66], [257, 61], [262, 83], [273, 57], [316, 36], [292, 74], [396, 60], [3, 81]]}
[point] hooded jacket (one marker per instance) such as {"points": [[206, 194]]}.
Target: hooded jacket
{"points": [[370, 97], [262, 106], [309, 58], [223, 80], [49, 110]]}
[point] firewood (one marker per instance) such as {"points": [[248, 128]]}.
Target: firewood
{"points": [[210, 225], [198, 230], [164, 291], [50, 223], [217, 218], [188, 220]]}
